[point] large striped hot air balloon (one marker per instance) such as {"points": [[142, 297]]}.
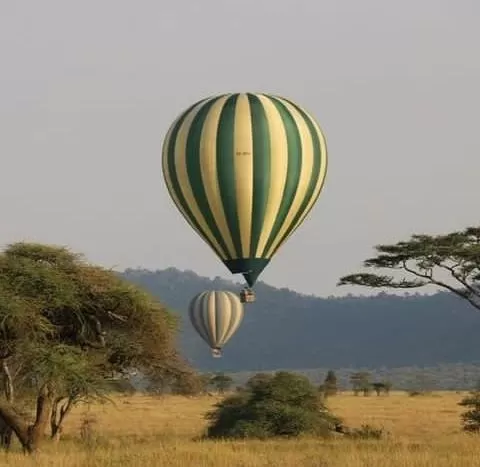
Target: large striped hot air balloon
{"points": [[245, 170], [216, 315]]}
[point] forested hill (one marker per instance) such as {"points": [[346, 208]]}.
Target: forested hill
{"points": [[284, 329]]}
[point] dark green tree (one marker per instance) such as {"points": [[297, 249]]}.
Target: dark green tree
{"points": [[450, 261], [381, 387], [330, 385], [67, 328], [283, 404], [258, 379], [221, 382], [360, 382]]}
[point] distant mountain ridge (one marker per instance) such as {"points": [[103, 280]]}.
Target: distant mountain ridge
{"points": [[285, 329]]}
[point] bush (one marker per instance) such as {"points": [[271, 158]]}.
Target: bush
{"points": [[367, 432], [471, 418], [281, 405], [415, 393]]}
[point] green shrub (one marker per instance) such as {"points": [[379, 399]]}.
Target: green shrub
{"points": [[284, 404], [471, 418]]}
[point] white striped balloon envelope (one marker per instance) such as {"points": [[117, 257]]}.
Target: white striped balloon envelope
{"points": [[216, 315]]}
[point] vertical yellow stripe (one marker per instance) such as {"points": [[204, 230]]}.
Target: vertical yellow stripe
{"points": [[321, 177], [278, 170], [224, 314], [208, 165], [182, 176], [307, 156], [237, 314], [243, 163]]}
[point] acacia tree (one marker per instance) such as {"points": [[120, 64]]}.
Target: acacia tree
{"points": [[330, 384], [283, 404], [221, 382], [360, 382], [66, 327], [450, 261]]}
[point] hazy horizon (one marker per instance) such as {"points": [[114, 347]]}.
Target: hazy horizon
{"points": [[88, 91]]}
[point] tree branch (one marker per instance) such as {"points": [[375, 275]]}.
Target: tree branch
{"points": [[7, 381], [457, 253]]}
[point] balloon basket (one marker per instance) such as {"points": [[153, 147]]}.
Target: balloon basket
{"points": [[247, 296], [216, 353]]}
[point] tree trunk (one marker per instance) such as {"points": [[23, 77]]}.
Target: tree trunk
{"points": [[56, 433], [6, 431], [30, 436], [44, 410], [16, 423], [58, 414], [7, 381], [6, 434]]}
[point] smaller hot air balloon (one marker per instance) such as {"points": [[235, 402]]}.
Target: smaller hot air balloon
{"points": [[216, 315]]}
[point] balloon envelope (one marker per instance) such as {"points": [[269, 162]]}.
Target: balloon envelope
{"points": [[244, 170], [216, 315]]}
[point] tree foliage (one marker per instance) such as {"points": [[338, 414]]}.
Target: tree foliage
{"points": [[471, 417], [330, 384], [66, 327], [221, 382], [450, 261], [361, 383], [284, 404], [382, 387]]}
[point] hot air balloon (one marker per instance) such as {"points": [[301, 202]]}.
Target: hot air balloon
{"points": [[216, 315], [244, 170]]}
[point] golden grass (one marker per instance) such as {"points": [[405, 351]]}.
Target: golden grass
{"points": [[155, 432]]}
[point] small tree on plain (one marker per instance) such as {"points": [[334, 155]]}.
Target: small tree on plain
{"points": [[221, 382], [360, 382], [284, 404], [380, 388], [330, 385]]}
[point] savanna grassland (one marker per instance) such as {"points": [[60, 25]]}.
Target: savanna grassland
{"points": [[160, 431]]}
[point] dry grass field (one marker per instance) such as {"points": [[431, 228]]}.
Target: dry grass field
{"points": [[156, 432]]}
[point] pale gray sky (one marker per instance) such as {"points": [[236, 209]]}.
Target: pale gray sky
{"points": [[88, 90]]}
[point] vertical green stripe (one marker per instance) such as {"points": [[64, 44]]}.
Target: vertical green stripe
{"points": [[194, 170], [226, 169], [261, 168], [196, 316], [319, 159], [173, 175], [294, 144]]}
